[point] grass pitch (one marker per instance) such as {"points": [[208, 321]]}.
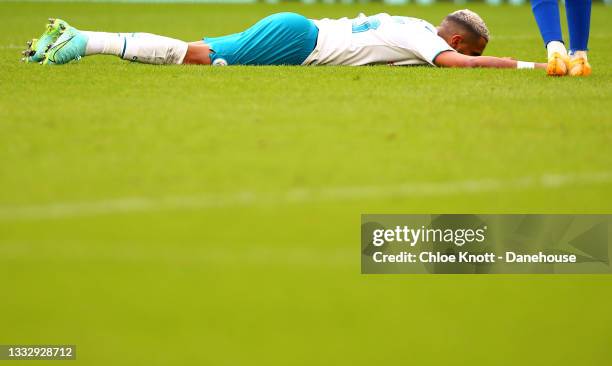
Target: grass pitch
{"points": [[193, 215]]}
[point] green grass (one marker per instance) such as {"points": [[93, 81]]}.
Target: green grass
{"points": [[193, 215]]}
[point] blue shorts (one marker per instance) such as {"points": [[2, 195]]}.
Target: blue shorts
{"points": [[279, 39]]}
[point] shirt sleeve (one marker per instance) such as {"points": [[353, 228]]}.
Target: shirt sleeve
{"points": [[427, 45], [424, 43]]}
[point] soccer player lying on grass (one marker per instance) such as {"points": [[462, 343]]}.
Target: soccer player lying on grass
{"points": [[291, 39]]}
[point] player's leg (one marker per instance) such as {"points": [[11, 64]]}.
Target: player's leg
{"points": [[579, 24], [198, 53], [147, 48], [141, 47], [546, 13], [280, 39]]}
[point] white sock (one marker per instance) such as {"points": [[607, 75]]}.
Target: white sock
{"points": [[104, 43], [153, 49], [556, 46], [580, 54], [141, 47]]}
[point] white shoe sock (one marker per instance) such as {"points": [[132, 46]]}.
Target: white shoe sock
{"points": [[556, 46], [141, 47]]}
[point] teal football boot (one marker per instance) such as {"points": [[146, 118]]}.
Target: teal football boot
{"points": [[38, 47], [70, 45]]}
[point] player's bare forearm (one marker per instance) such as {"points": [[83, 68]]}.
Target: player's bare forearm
{"points": [[540, 65], [454, 59], [499, 62]]}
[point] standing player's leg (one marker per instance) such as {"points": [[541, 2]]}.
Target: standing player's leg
{"points": [[579, 24], [546, 13], [140, 47]]}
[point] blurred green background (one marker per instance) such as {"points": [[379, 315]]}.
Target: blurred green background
{"points": [[192, 215]]}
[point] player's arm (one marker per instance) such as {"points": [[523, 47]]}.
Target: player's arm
{"points": [[456, 59]]}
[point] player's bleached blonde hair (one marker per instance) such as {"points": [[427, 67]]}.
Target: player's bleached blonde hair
{"points": [[470, 20]]}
